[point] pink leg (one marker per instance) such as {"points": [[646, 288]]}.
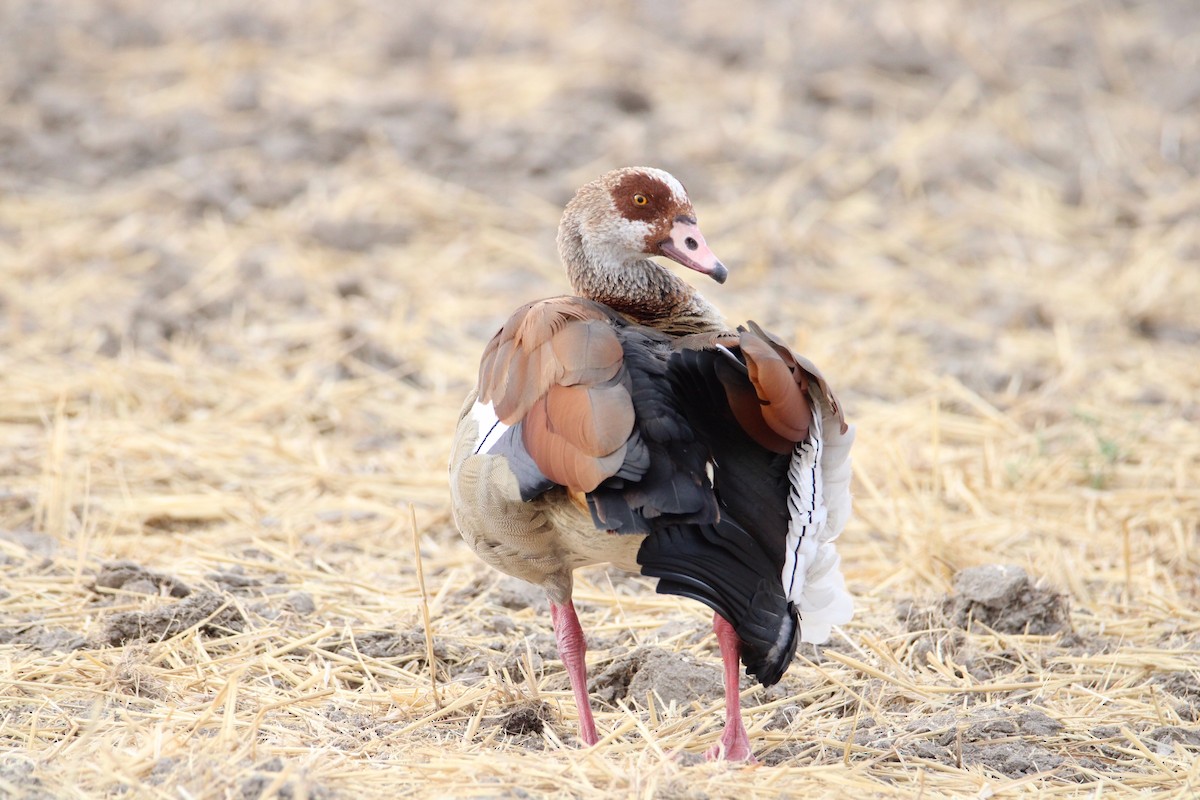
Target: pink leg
{"points": [[735, 743], [571, 649]]}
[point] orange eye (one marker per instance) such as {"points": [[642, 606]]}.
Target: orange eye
{"points": [[640, 200]]}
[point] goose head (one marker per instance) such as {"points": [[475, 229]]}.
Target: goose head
{"points": [[617, 223]]}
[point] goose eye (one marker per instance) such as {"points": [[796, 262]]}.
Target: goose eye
{"points": [[640, 199]]}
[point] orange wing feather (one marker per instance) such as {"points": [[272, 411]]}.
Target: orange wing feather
{"points": [[557, 367], [775, 406], [782, 391], [801, 366]]}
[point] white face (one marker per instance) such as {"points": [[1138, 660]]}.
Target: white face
{"points": [[616, 240], [633, 216], [616, 222]]}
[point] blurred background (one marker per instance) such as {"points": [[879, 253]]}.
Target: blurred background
{"points": [[250, 253], [346, 199], [826, 145], [203, 150]]}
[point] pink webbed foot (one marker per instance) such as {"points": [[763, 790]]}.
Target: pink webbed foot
{"points": [[734, 746]]}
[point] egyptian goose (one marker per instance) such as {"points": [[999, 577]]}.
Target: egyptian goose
{"points": [[628, 424]]}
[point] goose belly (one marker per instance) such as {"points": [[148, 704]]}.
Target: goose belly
{"points": [[541, 540]]}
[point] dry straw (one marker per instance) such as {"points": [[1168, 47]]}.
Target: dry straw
{"points": [[248, 268]]}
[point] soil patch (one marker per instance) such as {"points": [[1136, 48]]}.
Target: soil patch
{"points": [[666, 675], [212, 611], [130, 577], [526, 719], [999, 596]]}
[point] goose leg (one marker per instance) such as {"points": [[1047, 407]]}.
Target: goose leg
{"points": [[571, 649], [735, 743]]}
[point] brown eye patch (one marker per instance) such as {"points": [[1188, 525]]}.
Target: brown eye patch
{"points": [[641, 198]]}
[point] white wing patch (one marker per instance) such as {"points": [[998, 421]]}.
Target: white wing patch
{"points": [[819, 504], [490, 426]]}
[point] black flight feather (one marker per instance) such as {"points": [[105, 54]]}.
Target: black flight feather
{"points": [[722, 566], [673, 487], [751, 482]]}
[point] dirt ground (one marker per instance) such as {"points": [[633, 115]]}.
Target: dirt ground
{"points": [[249, 256]]}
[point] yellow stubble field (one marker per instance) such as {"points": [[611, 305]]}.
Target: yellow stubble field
{"points": [[249, 256]]}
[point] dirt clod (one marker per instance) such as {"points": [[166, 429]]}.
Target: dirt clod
{"points": [[271, 779], [131, 577], [1038, 723], [1013, 759], [43, 639], [665, 675], [675, 678], [1167, 736], [209, 609], [526, 719], [235, 580], [300, 603], [992, 585], [1002, 597]]}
